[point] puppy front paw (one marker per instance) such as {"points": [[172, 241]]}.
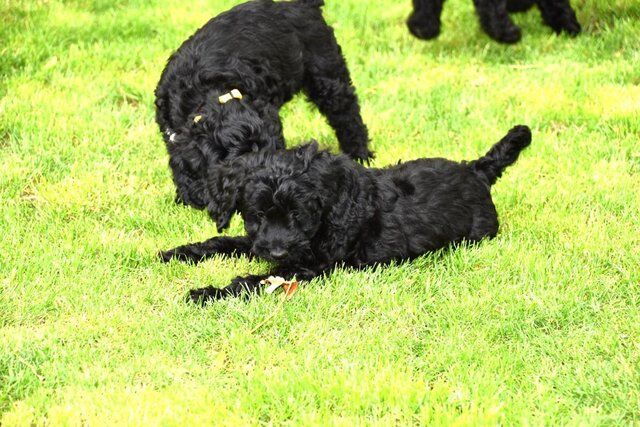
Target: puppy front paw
{"points": [[179, 254], [165, 256], [202, 295]]}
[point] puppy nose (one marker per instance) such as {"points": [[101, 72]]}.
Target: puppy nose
{"points": [[278, 253]]}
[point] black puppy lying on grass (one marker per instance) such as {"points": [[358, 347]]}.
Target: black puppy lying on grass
{"points": [[220, 94], [424, 22], [308, 210]]}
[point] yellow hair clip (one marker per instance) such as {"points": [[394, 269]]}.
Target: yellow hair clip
{"points": [[234, 94]]}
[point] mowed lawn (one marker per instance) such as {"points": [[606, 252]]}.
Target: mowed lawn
{"points": [[538, 326]]}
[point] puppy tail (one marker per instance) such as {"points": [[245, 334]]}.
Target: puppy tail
{"points": [[312, 3], [502, 154]]}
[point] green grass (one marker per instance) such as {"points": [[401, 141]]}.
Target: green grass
{"points": [[538, 326]]}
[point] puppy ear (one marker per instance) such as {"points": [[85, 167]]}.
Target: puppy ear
{"points": [[225, 187]]}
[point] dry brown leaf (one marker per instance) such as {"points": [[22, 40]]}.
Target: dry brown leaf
{"points": [[290, 288]]}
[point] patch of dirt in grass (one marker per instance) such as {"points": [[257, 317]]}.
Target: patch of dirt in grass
{"points": [[4, 139]]}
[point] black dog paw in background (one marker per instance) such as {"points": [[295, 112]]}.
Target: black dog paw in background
{"points": [[424, 21]]}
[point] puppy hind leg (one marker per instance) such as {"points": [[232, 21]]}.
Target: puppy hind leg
{"points": [[484, 226], [496, 22], [559, 15]]}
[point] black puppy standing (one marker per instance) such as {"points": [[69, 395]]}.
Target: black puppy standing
{"points": [[308, 210], [220, 93], [424, 22]]}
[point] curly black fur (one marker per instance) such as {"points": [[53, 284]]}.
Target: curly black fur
{"points": [[424, 22], [308, 210], [269, 51]]}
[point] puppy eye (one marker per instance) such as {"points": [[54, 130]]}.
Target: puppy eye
{"points": [[260, 214]]}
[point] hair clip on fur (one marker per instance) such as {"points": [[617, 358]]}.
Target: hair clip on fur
{"points": [[234, 94]]}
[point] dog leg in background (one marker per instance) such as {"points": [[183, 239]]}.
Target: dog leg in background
{"points": [[519, 5], [249, 285], [424, 21], [329, 86], [495, 21], [559, 15], [196, 252]]}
